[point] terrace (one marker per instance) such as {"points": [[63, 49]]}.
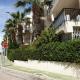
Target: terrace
{"points": [[67, 14]]}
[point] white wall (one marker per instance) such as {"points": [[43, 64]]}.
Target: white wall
{"points": [[53, 67], [70, 25], [79, 3], [67, 27], [60, 4]]}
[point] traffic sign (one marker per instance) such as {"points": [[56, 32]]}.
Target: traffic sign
{"points": [[5, 44]]}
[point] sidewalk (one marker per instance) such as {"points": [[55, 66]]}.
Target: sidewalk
{"points": [[41, 74], [10, 74], [24, 75]]}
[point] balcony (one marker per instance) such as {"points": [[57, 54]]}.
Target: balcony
{"points": [[67, 14]]}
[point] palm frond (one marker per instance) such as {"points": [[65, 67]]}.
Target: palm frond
{"points": [[28, 10], [22, 15], [13, 15], [23, 3], [4, 30], [20, 4]]}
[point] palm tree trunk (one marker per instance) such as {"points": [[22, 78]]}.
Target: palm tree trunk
{"points": [[19, 34], [38, 12], [14, 37]]}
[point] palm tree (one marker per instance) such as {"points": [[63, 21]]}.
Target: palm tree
{"points": [[18, 18], [13, 28], [10, 32], [22, 3], [38, 12], [10, 29]]}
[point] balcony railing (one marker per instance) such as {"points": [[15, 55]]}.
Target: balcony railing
{"points": [[67, 14]]}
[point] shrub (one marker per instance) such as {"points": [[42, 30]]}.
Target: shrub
{"points": [[48, 35], [68, 51], [47, 51], [21, 53], [10, 54], [16, 54], [48, 48]]}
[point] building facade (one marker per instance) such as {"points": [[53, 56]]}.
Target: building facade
{"points": [[66, 18], [63, 15]]}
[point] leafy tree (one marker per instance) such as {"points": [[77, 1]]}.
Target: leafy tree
{"points": [[47, 35]]}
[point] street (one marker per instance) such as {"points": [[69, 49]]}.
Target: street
{"points": [[4, 76], [7, 74]]}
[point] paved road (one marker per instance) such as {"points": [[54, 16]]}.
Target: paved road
{"points": [[6, 74]]}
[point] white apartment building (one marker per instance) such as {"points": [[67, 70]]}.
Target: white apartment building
{"points": [[66, 18]]}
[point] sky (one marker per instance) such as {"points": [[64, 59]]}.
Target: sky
{"points": [[6, 6]]}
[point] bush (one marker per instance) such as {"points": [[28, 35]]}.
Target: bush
{"points": [[21, 54], [68, 51], [48, 35], [35, 52], [47, 51], [48, 48], [10, 54]]}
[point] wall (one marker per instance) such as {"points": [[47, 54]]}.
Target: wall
{"points": [[67, 27], [79, 3], [64, 4], [54, 67], [71, 24]]}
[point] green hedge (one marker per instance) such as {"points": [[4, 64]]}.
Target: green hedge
{"points": [[68, 51], [21, 53]]}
